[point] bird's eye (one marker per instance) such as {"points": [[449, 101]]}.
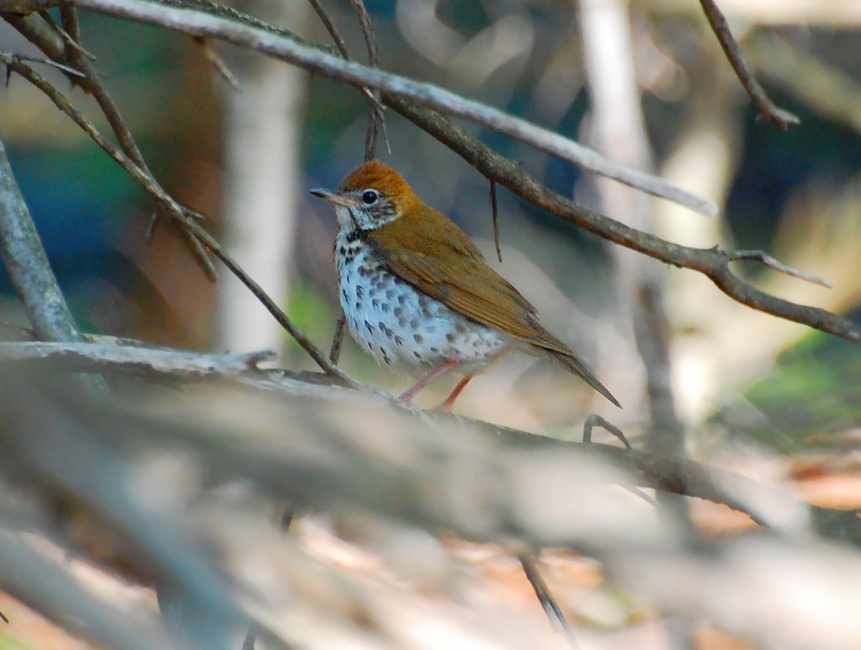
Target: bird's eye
{"points": [[369, 197]]}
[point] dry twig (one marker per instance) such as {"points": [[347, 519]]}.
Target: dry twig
{"points": [[770, 111]]}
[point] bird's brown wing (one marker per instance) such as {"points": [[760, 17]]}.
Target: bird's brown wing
{"points": [[434, 255]]}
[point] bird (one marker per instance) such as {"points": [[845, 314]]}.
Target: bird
{"points": [[418, 294]]}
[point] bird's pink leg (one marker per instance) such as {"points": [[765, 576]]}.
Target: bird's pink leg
{"points": [[445, 407], [428, 378]]}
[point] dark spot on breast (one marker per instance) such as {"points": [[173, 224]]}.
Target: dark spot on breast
{"points": [[435, 350], [360, 291], [358, 305], [386, 357], [375, 303], [402, 298], [369, 327], [344, 294], [414, 323], [399, 341], [417, 355], [460, 328], [364, 271], [390, 294], [342, 251], [450, 337], [398, 312], [418, 338], [384, 307]]}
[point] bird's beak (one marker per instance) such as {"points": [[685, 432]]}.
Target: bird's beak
{"points": [[331, 197]]}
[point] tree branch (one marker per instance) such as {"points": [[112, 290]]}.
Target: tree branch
{"points": [[28, 266], [185, 217], [198, 23], [713, 263], [673, 475], [770, 111]]}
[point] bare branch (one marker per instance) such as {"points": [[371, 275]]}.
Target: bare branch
{"points": [[376, 118], [713, 263], [211, 26], [89, 356], [44, 61], [769, 261], [27, 264], [770, 111], [330, 27]]}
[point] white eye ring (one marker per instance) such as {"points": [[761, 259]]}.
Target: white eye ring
{"points": [[369, 197]]}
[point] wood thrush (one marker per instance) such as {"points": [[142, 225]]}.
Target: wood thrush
{"points": [[418, 294]]}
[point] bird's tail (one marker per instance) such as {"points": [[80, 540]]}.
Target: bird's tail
{"points": [[574, 365]]}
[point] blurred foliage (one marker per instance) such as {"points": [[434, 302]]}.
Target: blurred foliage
{"points": [[810, 400], [93, 219]]}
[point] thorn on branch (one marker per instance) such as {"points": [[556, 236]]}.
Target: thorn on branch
{"points": [[43, 61], [768, 109], [780, 267]]}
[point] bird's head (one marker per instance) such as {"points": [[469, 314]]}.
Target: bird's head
{"points": [[369, 197]]}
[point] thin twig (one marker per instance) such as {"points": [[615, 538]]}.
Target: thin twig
{"points": [[270, 305], [769, 261], [495, 214], [770, 111], [211, 26], [44, 61], [367, 31], [376, 118], [371, 135], [69, 20], [70, 41], [545, 597], [330, 27], [218, 63], [596, 420], [338, 338]]}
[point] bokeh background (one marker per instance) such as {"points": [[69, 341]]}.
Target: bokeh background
{"points": [[246, 159], [793, 194]]}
